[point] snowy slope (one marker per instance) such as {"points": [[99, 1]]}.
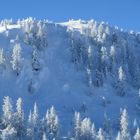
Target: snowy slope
{"points": [[59, 82]]}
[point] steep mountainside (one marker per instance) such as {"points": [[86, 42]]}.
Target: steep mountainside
{"points": [[82, 66]]}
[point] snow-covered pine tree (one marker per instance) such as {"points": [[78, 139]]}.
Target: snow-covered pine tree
{"points": [[107, 30], [121, 75], [112, 51], [100, 33], [36, 34], [112, 63], [121, 84], [124, 125], [107, 126], [77, 125], [52, 123], [135, 126], [41, 36], [93, 132], [16, 59], [100, 135], [78, 51], [7, 111], [33, 124], [44, 137], [35, 60], [119, 136], [86, 129], [40, 31], [42, 128], [19, 122], [137, 135], [30, 118], [30, 131], [9, 133], [19, 110], [2, 60], [35, 116], [98, 78]]}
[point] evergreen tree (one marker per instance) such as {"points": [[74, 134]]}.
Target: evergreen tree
{"points": [[30, 131], [2, 59], [44, 137], [118, 136], [124, 125], [98, 78], [112, 59], [86, 130], [19, 119], [107, 30], [93, 131], [112, 51], [35, 60], [9, 133], [107, 126], [100, 33], [30, 118], [19, 109], [35, 116], [137, 135], [42, 128], [121, 75], [121, 84], [135, 126], [16, 59], [100, 135], [77, 125], [52, 123], [33, 124], [7, 111]]}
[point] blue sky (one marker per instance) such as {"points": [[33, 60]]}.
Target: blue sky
{"points": [[124, 13]]}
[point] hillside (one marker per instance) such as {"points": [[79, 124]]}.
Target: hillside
{"points": [[82, 66]]}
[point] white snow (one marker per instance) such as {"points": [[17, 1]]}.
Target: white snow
{"points": [[59, 83], [9, 27]]}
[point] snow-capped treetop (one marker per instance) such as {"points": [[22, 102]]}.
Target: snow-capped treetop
{"points": [[121, 74], [112, 50]]}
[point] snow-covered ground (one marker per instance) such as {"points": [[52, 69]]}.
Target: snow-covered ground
{"points": [[59, 82]]}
